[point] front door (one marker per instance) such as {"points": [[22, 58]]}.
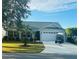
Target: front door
{"points": [[37, 35]]}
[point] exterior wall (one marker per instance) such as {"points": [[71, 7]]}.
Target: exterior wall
{"points": [[44, 35], [3, 33]]}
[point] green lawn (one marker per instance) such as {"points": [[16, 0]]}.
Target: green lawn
{"points": [[17, 47]]}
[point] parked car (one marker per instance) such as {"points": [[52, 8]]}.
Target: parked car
{"points": [[59, 39]]}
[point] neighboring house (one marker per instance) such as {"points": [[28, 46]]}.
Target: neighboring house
{"points": [[44, 31]]}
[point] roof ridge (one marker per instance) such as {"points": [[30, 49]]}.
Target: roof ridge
{"points": [[41, 21]]}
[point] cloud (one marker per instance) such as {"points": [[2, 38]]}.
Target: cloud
{"points": [[52, 5]]}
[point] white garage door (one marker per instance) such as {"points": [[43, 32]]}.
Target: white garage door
{"points": [[48, 36]]}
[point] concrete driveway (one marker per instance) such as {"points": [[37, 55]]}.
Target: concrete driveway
{"points": [[65, 48], [37, 56]]}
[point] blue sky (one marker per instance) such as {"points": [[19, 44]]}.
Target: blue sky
{"points": [[63, 12]]}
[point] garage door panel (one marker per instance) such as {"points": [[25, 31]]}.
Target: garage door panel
{"points": [[48, 36]]}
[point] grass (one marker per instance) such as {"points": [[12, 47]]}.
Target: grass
{"points": [[18, 48]]}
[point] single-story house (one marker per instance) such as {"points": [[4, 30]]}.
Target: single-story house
{"points": [[43, 31]]}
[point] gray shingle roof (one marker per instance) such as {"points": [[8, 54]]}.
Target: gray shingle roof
{"points": [[42, 24]]}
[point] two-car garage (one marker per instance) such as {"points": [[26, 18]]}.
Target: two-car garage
{"points": [[48, 35]]}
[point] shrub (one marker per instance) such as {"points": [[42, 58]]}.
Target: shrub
{"points": [[4, 38], [71, 40]]}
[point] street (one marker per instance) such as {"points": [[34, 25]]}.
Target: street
{"points": [[37, 56]]}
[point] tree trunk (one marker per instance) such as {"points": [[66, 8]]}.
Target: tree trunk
{"points": [[25, 42], [25, 39]]}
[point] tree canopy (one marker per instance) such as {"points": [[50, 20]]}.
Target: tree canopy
{"points": [[13, 11], [71, 32]]}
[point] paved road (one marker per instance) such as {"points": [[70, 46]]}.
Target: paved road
{"points": [[36, 56]]}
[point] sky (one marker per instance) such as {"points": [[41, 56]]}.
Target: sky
{"points": [[61, 11]]}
